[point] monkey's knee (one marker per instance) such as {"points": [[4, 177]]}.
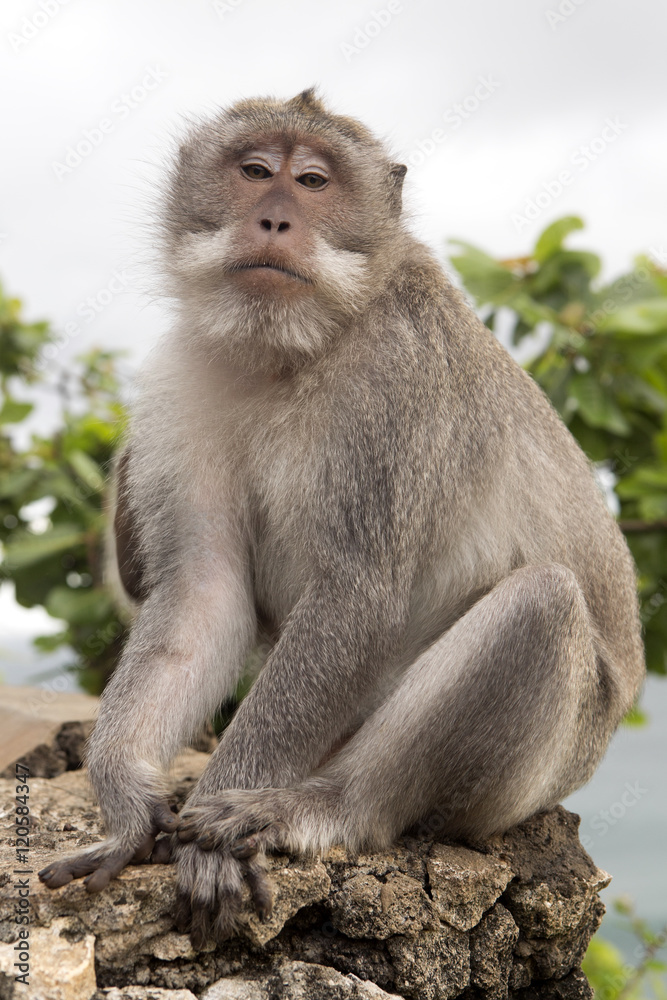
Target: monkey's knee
{"points": [[544, 617], [552, 586]]}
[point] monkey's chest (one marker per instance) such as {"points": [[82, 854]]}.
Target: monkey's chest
{"points": [[282, 506]]}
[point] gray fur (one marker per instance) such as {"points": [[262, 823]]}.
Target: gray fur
{"points": [[365, 472]]}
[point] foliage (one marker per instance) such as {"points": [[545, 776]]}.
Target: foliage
{"points": [[612, 978], [52, 520], [604, 368]]}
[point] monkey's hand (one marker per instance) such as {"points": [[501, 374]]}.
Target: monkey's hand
{"points": [[104, 861], [223, 839]]}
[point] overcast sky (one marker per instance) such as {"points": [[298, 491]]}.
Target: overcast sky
{"points": [[489, 103]]}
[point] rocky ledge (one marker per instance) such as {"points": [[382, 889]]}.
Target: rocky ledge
{"points": [[426, 920]]}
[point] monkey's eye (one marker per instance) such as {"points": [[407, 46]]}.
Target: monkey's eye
{"points": [[312, 181], [255, 171]]}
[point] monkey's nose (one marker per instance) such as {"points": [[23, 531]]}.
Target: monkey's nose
{"points": [[273, 225]]}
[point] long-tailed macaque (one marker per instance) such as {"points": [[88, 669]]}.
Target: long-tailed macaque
{"points": [[331, 447]]}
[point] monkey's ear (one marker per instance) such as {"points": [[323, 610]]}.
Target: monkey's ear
{"points": [[397, 172]]}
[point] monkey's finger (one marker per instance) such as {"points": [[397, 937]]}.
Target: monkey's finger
{"points": [[260, 889], [187, 830], [207, 840], [162, 851], [164, 818], [107, 870], [229, 908], [182, 912], [244, 847], [201, 924]]}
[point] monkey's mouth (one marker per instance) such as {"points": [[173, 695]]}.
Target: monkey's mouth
{"points": [[268, 265]]}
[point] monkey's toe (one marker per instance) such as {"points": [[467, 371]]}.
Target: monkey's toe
{"points": [[56, 874], [98, 870]]}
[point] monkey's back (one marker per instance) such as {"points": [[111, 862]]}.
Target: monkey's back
{"points": [[526, 493]]}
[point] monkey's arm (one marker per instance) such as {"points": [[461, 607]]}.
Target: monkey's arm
{"points": [[183, 657], [335, 644], [328, 658]]}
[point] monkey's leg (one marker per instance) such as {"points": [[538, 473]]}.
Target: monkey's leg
{"points": [[502, 716], [183, 657]]}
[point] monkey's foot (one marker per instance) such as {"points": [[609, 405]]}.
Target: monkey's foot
{"points": [[246, 822], [210, 892], [105, 861]]}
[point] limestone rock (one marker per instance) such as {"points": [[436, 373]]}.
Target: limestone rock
{"points": [[572, 987], [435, 965], [59, 968], [296, 885], [554, 897], [422, 920], [298, 981], [143, 993], [464, 883], [491, 947], [366, 907]]}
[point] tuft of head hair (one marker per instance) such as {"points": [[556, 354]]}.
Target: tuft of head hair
{"points": [[307, 101], [304, 113]]}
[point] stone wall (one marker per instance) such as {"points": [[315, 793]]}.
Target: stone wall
{"points": [[425, 920]]}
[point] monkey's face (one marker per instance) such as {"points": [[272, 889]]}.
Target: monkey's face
{"points": [[275, 228], [286, 234]]}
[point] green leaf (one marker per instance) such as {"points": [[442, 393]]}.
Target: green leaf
{"points": [[483, 276], [532, 312], [635, 717], [644, 480], [13, 412], [27, 550], [86, 469], [551, 239], [17, 482], [604, 967], [47, 643], [645, 319], [78, 606], [595, 404]]}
